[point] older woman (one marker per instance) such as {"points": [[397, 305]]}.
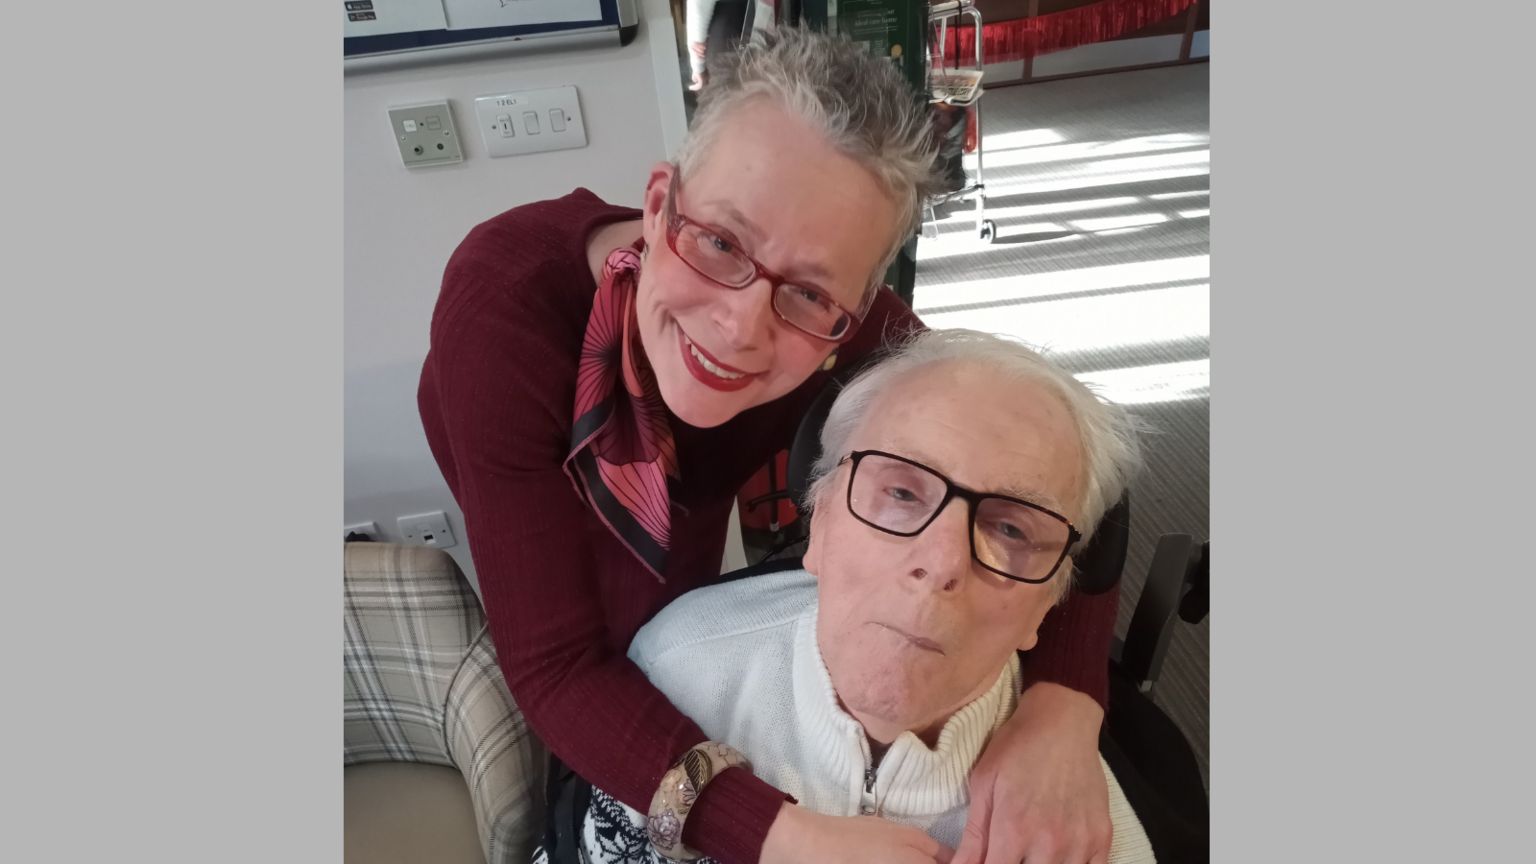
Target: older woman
{"points": [[601, 381], [956, 478]]}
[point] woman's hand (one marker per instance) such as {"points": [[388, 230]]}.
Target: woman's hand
{"points": [[1038, 793], [799, 836]]}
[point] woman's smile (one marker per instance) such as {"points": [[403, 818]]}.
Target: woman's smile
{"points": [[709, 371]]}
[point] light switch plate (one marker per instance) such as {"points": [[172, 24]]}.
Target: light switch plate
{"points": [[425, 134], [531, 121]]}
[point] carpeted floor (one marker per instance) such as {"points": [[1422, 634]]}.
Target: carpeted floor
{"points": [[1100, 190]]}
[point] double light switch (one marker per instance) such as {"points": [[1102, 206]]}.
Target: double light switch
{"points": [[531, 121]]}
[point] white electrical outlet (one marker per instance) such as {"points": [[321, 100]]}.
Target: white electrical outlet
{"points": [[365, 529], [531, 121], [427, 529]]}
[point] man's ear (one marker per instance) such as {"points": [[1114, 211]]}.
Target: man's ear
{"points": [[1063, 580], [655, 201], [1060, 586], [1030, 639], [814, 548]]}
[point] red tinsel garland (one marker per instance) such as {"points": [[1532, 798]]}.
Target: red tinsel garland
{"points": [[1003, 41]]}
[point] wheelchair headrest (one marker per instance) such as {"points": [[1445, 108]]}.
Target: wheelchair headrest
{"points": [[806, 448]]}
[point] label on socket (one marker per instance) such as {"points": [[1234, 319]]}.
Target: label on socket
{"points": [[531, 121]]}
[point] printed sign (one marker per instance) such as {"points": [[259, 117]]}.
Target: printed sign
{"points": [[382, 17], [474, 14]]}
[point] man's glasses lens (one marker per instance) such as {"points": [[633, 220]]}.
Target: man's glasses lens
{"points": [[1010, 538]]}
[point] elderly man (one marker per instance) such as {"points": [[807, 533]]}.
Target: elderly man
{"points": [[956, 478]]}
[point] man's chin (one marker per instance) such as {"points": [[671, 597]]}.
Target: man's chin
{"points": [[893, 710]]}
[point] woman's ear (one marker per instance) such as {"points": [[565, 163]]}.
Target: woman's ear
{"points": [[654, 205]]}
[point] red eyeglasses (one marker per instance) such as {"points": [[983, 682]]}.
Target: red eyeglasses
{"points": [[714, 254]]}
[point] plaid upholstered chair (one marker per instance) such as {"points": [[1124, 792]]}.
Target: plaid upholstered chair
{"points": [[440, 766]]}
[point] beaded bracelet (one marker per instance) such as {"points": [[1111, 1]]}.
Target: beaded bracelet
{"points": [[679, 789]]}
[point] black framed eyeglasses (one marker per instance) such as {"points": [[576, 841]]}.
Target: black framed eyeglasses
{"points": [[1011, 537], [717, 256]]}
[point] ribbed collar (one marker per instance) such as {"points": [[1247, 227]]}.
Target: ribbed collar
{"points": [[912, 780]]}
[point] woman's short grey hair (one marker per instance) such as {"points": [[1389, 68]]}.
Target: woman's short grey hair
{"points": [[860, 102], [1112, 454]]}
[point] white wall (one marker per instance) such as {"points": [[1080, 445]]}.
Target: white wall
{"points": [[402, 224]]}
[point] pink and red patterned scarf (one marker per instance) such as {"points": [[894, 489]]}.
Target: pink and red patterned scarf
{"points": [[622, 450]]}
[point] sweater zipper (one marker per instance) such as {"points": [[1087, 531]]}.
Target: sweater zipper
{"points": [[868, 806]]}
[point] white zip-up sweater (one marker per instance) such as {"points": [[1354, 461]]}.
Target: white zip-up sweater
{"points": [[741, 660]]}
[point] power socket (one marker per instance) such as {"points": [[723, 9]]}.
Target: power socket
{"points": [[427, 529], [370, 530], [425, 134]]}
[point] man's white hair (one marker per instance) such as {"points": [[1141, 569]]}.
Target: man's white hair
{"points": [[1108, 434], [859, 102]]}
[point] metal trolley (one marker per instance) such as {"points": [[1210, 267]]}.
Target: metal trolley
{"points": [[956, 96]]}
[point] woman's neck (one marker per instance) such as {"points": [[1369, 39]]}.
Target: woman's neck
{"points": [[606, 239]]}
